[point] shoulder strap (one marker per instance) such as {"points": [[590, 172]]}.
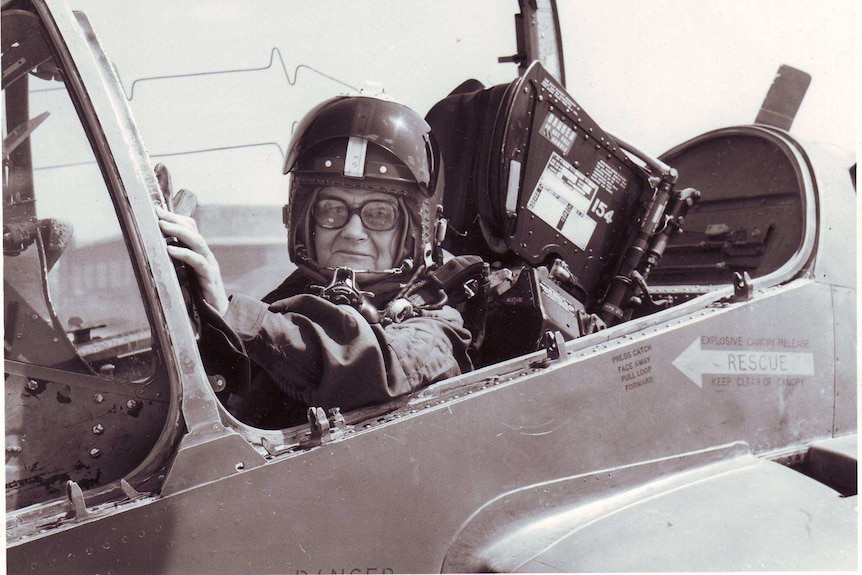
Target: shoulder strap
{"points": [[454, 282]]}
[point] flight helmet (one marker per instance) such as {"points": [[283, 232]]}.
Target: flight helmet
{"points": [[370, 143]]}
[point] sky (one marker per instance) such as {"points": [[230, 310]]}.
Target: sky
{"points": [[216, 86], [712, 63]]}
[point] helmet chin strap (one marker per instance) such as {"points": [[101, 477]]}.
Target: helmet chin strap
{"points": [[406, 267]]}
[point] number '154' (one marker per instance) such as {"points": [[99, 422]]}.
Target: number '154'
{"points": [[601, 210]]}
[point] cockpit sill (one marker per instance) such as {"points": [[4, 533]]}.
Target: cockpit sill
{"points": [[276, 443]]}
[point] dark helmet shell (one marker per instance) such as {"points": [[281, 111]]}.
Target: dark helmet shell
{"points": [[365, 142]]}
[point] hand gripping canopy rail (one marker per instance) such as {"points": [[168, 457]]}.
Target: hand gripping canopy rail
{"points": [[536, 186]]}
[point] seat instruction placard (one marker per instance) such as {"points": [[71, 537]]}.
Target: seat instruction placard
{"points": [[562, 199]]}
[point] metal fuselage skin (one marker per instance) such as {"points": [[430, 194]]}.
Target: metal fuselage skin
{"points": [[401, 492]]}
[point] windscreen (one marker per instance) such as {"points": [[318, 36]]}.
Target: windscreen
{"points": [[217, 89]]}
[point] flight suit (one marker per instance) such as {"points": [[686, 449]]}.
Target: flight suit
{"points": [[326, 355]]}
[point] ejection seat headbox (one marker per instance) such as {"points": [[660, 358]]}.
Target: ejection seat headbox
{"points": [[543, 180]]}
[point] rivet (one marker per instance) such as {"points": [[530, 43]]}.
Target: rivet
{"points": [[98, 398], [95, 452], [98, 429], [132, 404], [328, 163], [382, 169], [32, 385]]}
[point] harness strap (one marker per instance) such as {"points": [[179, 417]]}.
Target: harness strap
{"points": [[454, 282]]}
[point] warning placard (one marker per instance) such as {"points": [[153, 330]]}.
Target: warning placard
{"points": [[724, 361], [558, 133], [607, 177], [562, 199]]}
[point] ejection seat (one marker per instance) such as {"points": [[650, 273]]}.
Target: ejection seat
{"points": [[551, 201]]}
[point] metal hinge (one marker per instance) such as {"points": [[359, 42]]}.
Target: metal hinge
{"points": [[555, 345], [75, 495], [131, 492], [323, 429], [743, 289]]}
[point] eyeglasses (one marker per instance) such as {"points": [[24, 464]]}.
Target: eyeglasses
{"points": [[376, 215]]}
